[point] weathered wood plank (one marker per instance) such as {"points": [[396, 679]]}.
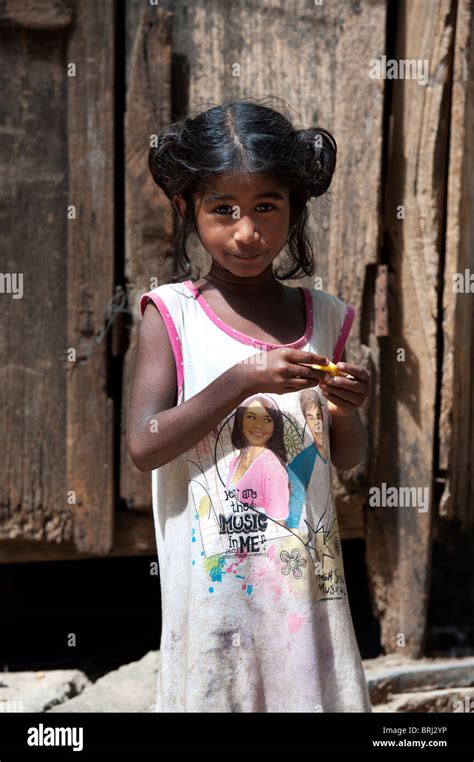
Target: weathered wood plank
{"points": [[36, 14], [148, 216], [134, 535], [351, 103], [456, 426], [90, 251], [33, 230], [350, 517], [399, 538]]}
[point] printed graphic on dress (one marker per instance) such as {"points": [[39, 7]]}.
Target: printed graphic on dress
{"points": [[260, 485]]}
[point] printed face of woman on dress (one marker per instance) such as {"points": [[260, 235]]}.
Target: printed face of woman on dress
{"points": [[257, 425], [315, 422]]}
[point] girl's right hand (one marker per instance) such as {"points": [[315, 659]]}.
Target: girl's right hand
{"points": [[279, 371]]}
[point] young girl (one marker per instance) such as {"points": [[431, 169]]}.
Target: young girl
{"points": [[255, 615]]}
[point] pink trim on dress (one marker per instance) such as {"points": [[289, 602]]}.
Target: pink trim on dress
{"points": [[242, 337], [172, 333], [344, 332]]}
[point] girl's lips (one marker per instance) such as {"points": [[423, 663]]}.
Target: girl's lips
{"points": [[248, 256]]}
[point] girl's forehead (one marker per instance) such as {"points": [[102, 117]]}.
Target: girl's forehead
{"points": [[238, 182]]}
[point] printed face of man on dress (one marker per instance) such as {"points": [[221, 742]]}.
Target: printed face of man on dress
{"points": [[257, 425], [314, 420]]}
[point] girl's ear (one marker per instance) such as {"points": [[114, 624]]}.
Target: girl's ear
{"points": [[180, 205]]}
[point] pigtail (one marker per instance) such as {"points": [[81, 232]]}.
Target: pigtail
{"points": [[314, 153], [318, 157], [163, 158], [170, 171]]}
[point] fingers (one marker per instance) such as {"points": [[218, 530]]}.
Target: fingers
{"points": [[354, 370], [300, 384], [309, 358], [339, 383], [351, 382], [340, 403], [308, 373], [300, 377], [338, 395]]}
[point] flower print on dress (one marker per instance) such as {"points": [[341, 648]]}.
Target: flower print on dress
{"points": [[293, 436], [293, 563]]}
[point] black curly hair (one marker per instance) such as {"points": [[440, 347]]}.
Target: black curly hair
{"points": [[245, 136]]}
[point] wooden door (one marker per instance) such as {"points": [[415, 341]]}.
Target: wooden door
{"points": [[58, 233]]}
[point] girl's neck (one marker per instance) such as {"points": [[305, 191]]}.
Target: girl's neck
{"points": [[257, 285]]}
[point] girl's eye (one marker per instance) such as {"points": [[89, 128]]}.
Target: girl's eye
{"points": [[218, 209]]}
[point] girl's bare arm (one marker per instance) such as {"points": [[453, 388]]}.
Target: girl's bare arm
{"points": [[160, 430]]}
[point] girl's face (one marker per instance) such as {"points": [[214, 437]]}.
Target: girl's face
{"points": [[242, 220], [257, 425]]}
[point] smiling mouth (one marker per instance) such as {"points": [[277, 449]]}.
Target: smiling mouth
{"points": [[248, 256]]}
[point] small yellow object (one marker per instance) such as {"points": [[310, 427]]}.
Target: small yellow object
{"points": [[332, 369]]}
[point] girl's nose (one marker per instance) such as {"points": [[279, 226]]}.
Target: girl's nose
{"points": [[246, 233]]}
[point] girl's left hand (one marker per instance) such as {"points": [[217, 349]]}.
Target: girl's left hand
{"points": [[345, 395]]}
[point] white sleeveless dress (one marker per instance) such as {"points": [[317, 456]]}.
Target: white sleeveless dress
{"points": [[255, 615]]}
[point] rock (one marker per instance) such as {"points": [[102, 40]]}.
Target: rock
{"points": [[396, 684], [39, 691], [131, 688], [443, 700], [392, 676]]}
